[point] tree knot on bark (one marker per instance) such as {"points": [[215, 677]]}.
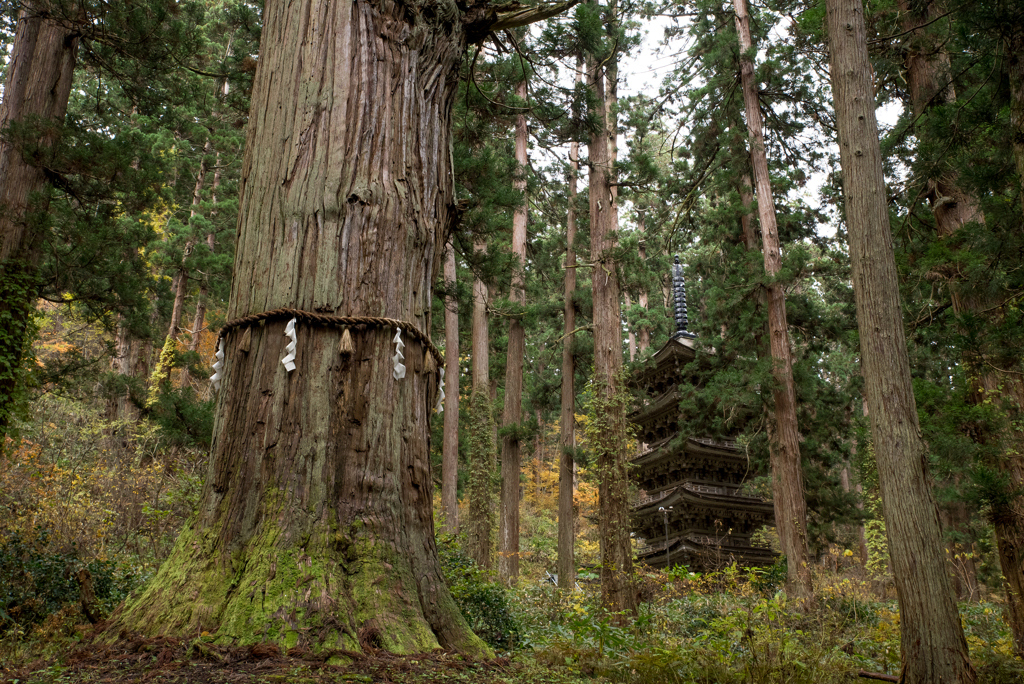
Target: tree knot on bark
{"points": [[332, 321]]}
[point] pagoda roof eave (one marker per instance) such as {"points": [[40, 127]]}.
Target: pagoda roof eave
{"points": [[677, 351], [667, 402], [654, 555], [672, 446], [685, 494]]}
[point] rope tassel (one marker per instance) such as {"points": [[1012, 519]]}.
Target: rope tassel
{"points": [[218, 366], [397, 359], [289, 356]]}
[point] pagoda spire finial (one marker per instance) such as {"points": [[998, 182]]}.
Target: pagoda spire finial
{"points": [[679, 299]]}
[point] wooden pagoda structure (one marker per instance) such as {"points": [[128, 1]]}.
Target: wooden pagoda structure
{"points": [[690, 511]]}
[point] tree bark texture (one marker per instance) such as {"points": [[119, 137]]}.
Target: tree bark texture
{"points": [[617, 592], [1015, 66], [787, 474], [480, 433], [508, 519], [567, 419], [315, 524], [35, 97], [450, 446], [933, 647]]}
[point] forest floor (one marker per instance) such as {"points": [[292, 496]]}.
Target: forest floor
{"points": [[177, 661]]}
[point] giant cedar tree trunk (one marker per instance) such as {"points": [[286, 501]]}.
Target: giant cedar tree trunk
{"points": [[610, 411], [787, 474], [35, 100], [932, 641], [450, 446], [508, 520], [315, 526]]}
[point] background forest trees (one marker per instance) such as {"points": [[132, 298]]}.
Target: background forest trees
{"points": [[109, 334]]}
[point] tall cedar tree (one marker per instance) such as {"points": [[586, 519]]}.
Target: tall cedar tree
{"points": [[703, 180], [567, 415], [450, 442], [933, 647], [508, 520], [609, 406], [70, 184], [321, 475], [787, 475], [36, 94], [480, 432]]}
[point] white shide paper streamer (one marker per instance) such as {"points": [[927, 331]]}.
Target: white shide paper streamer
{"points": [[440, 393], [289, 356], [399, 371], [218, 366]]}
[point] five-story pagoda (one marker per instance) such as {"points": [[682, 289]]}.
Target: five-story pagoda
{"points": [[690, 511]]}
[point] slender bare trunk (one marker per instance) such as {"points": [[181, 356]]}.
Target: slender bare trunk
{"points": [[933, 646], [36, 92], [508, 519], [450, 447], [787, 474], [567, 420], [179, 284]]}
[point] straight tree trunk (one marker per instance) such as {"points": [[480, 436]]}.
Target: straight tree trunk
{"points": [[126, 352], [508, 520], [1015, 66], [862, 546], [199, 319], [450, 446], [611, 449], [36, 93], [567, 419], [315, 525], [481, 434], [179, 285], [787, 474], [933, 647]]}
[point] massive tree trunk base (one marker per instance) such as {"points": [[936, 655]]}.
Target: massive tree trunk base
{"points": [[341, 590]]}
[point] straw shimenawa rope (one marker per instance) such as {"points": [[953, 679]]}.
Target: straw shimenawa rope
{"points": [[333, 321]]}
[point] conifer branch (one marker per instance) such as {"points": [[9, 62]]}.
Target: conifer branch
{"points": [[514, 15]]}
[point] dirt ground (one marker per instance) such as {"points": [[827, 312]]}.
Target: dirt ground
{"points": [[163, 660]]}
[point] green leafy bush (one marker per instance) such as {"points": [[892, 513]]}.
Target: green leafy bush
{"points": [[485, 604], [36, 582]]}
